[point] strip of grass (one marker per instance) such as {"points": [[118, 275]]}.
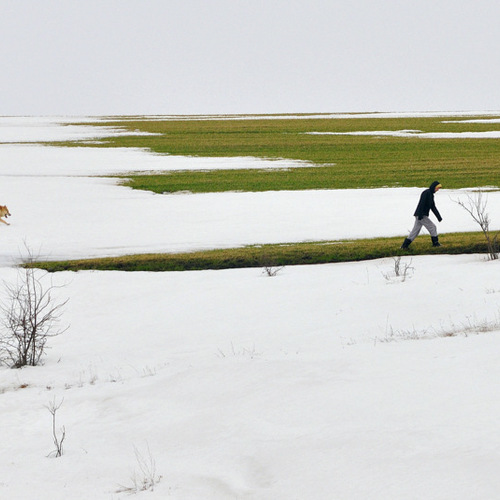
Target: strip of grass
{"points": [[276, 255], [345, 161], [328, 177]]}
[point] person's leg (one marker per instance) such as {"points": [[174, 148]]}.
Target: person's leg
{"points": [[406, 243], [430, 226], [416, 229], [413, 233]]}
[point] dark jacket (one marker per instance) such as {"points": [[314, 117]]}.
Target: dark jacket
{"points": [[426, 203]]}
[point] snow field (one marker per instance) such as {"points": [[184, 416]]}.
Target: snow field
{"points": [[246, 386], [239, 384]]}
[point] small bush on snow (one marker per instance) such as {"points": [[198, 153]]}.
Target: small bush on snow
{"points": [[29, 317], [144, 477], [58, 440], [401, 270], [476, 207]]}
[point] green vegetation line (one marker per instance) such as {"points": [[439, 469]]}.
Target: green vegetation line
{"points": [[276, 255]]}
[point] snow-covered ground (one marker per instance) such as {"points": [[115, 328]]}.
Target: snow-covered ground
{"points": [[36, 160], [238, 385], [33, 129], [492, 134]]}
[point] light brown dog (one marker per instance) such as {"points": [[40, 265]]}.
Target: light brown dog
{"points": [[4, 212]]}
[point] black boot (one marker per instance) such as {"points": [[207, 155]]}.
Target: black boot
{"points": [[435, 241], [406, 243]]}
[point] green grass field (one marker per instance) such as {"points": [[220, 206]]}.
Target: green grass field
{"points": [[335, 162]]}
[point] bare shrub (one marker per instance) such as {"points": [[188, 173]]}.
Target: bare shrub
{"points": [[29, 317], [269, 268], [476, 207], [401, 270], [145, 478], [58, 440], [272, 271]]}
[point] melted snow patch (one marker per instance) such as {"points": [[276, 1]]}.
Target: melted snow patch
{"points": [[29, 129], [475, 120], [34, 159], [493, 134]]}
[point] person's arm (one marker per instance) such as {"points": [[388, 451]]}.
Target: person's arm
{"points": [[436, 211]]}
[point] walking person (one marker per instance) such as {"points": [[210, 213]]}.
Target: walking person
{"points": [[425, 204]]}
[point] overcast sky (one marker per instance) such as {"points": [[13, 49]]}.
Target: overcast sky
{"points": [[74, 57]]}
